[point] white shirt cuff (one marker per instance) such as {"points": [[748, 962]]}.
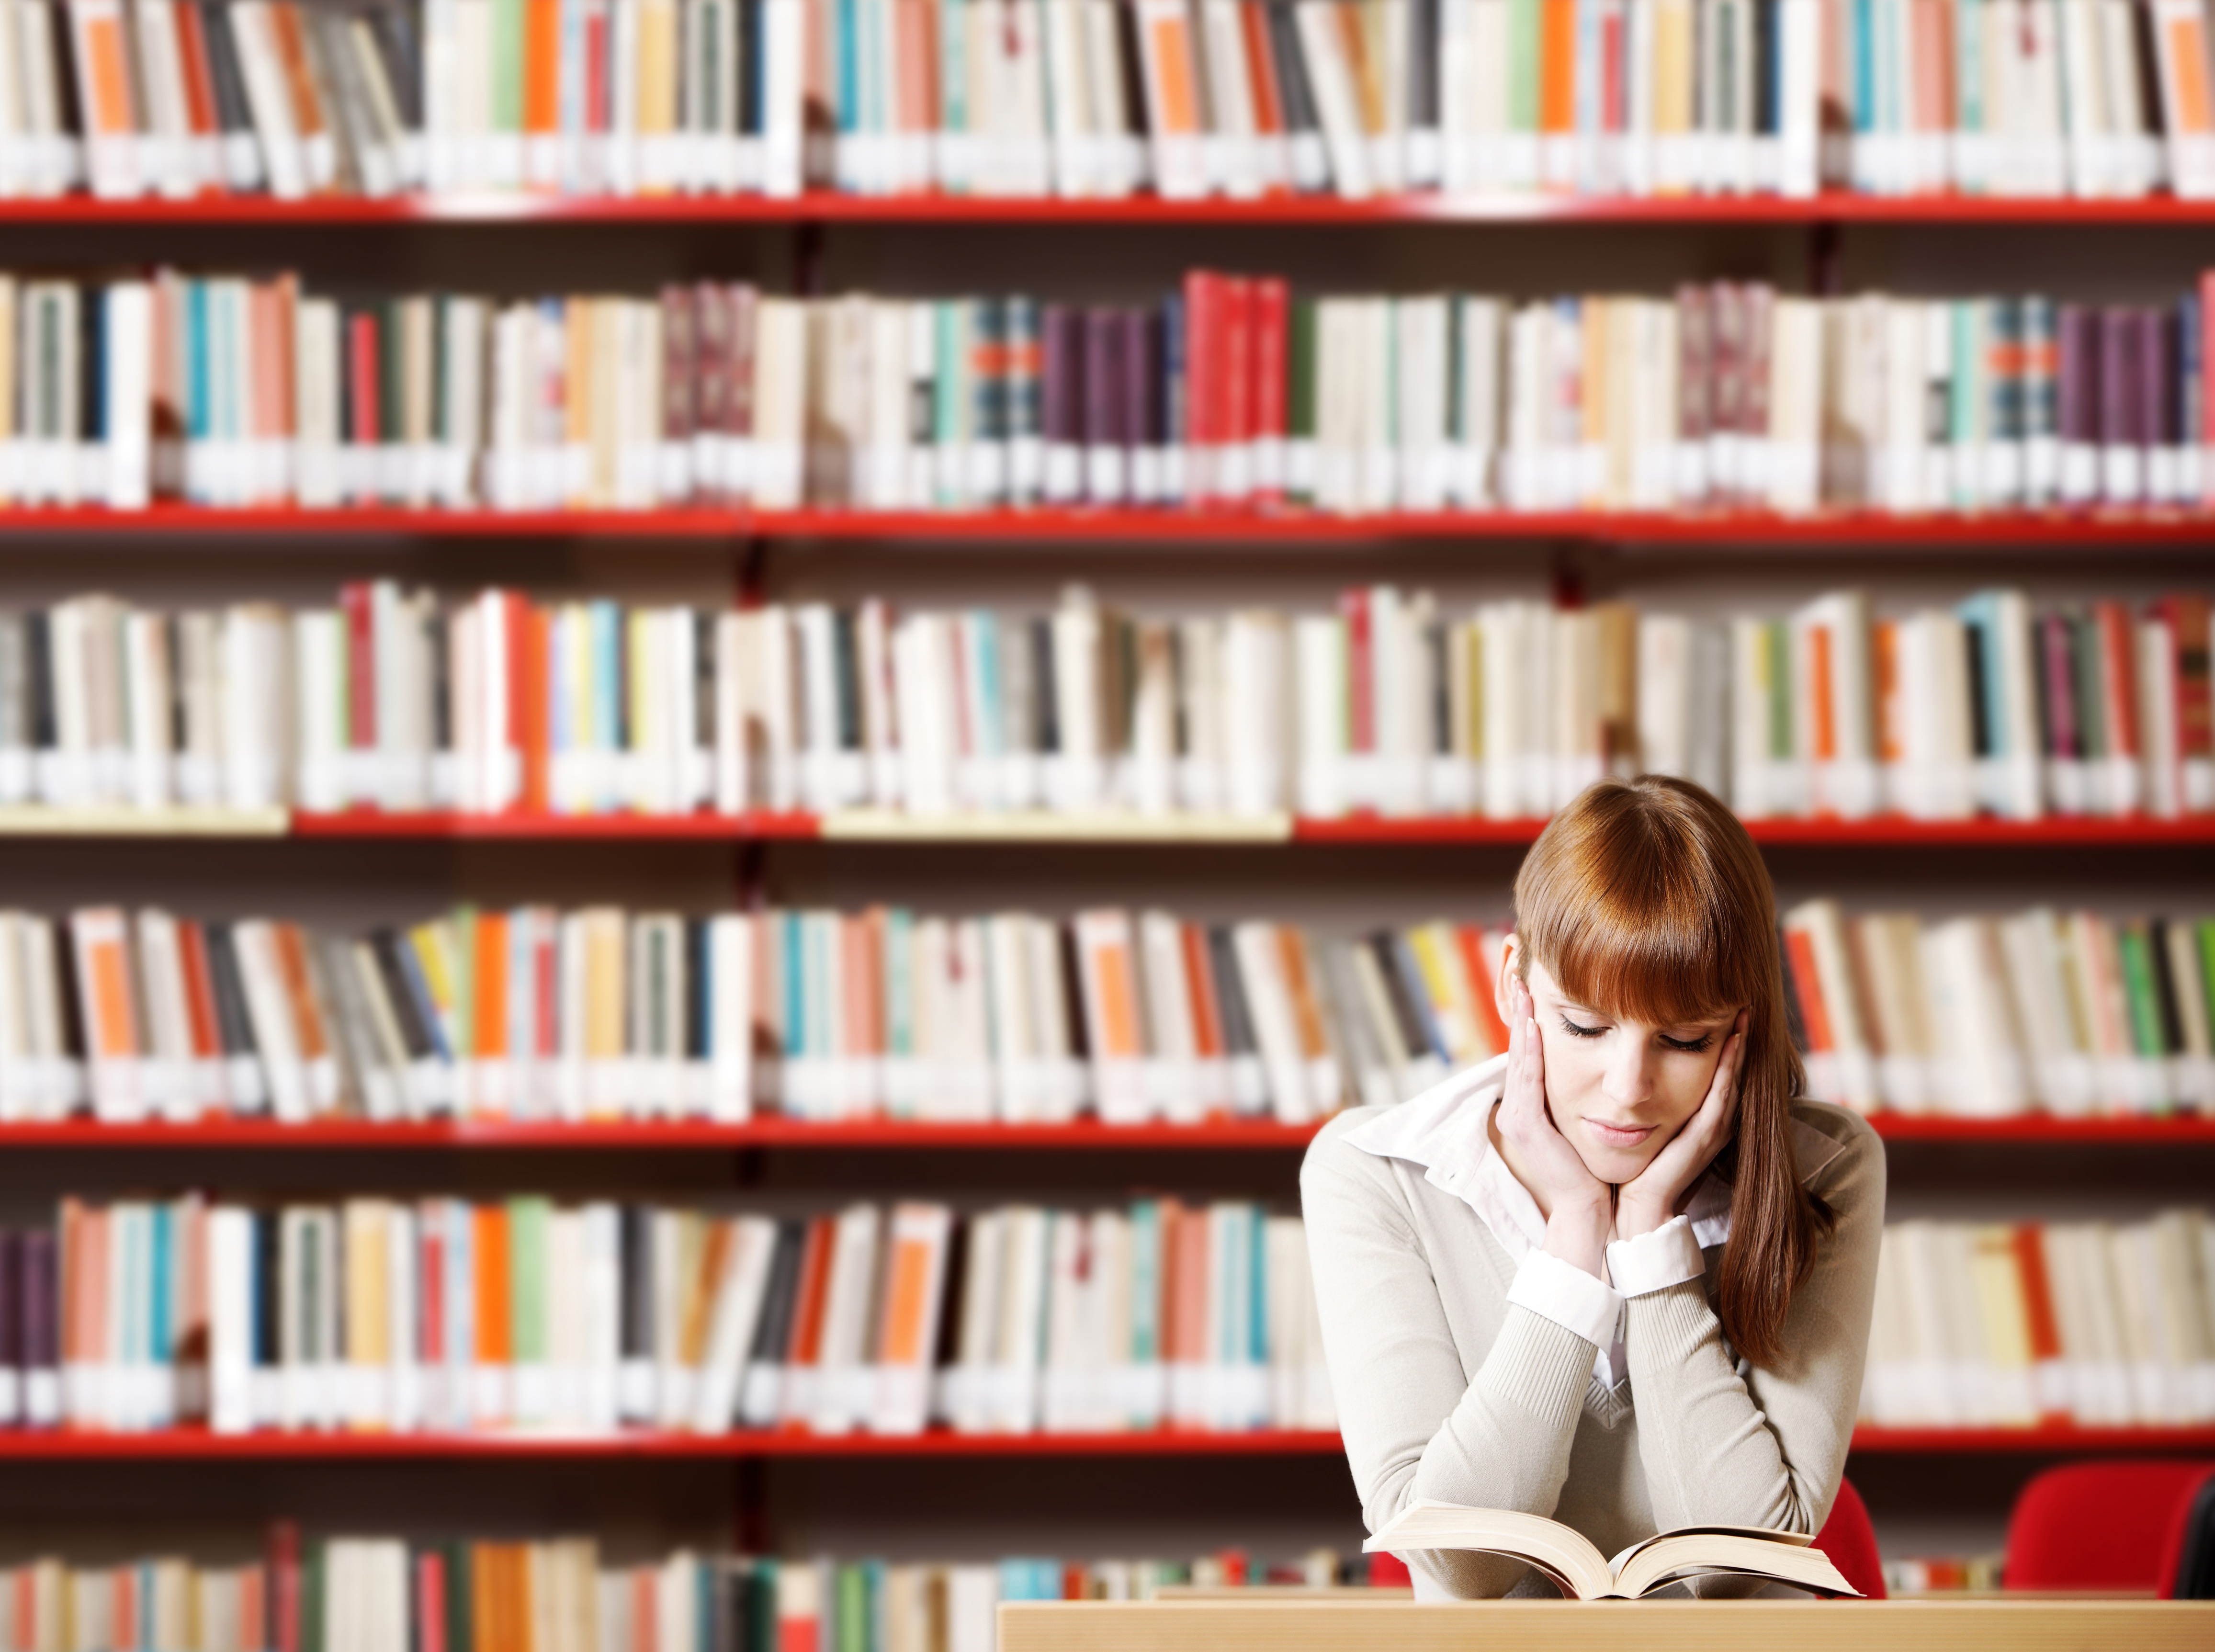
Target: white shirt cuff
{"points": [[1571, 1297], [1668, 1255]]}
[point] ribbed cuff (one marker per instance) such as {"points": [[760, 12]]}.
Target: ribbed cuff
{"points": [[1668, 1255], [1538, 1366], [1668, 1325], [1571, 1297]]}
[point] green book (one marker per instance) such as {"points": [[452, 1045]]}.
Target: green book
{"points": [[508, 65], [1523, 69], [853, 1609], [1777, 640], [526, 1262], [1300, 403], [900, 982], [460, 1618], [2141, 986], [312, 1637], [1145, 1282]]}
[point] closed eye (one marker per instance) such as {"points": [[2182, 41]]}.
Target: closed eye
{"points": [[1689, 1046], [1575, 1031]]}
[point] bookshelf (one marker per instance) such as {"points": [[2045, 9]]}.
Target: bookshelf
{"points": [[827, 242]]}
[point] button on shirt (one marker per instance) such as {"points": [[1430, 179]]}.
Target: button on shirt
{"points": [[1445, 1130]]}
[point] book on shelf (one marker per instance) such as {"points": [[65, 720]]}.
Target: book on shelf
{"points": [[1569, 1560], [1394, 705], [471, 1594], [388, 1315], [2065, 1012], [1989, 1325], [1234, 99], [1231, 393]]}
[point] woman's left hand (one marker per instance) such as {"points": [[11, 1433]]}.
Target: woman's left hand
{"points": [[1651, 1198]]}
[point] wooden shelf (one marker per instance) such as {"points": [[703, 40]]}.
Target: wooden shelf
{"points": [[929, 209], [1997, 530]]}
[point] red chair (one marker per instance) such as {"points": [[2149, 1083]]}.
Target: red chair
{"points": [[1850, 1542], [2100, 1525], [2187, 1557]]}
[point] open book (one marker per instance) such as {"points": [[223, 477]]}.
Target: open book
{"points": [[1568, 1556]]}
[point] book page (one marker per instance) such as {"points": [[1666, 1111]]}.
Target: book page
{"points": [[1662, 1559], [1563, 1553]]}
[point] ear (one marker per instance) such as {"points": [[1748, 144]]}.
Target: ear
{"points": [[1504, 989]]}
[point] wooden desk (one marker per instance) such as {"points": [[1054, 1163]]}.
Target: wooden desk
{"points": [[1335, 1623]]}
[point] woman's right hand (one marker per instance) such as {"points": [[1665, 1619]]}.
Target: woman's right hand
{"points": [[1579, 1207]]}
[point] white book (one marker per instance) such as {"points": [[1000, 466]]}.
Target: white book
{"points": [[738, 1304]]}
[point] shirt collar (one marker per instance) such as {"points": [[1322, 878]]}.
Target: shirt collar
{"points": [[1443, 1129]]}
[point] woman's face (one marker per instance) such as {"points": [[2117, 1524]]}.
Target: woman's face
{"points": [[1619, 1089]]}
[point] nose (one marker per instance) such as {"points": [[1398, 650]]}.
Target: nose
{"points": [[1629, 1077]]}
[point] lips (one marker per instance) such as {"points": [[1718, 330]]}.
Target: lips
{"points": [[1618, 1135]]}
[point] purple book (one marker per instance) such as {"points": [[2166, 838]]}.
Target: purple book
{"points": [[1141, 403], [39, 1296], [1063, 392], [2059, 684], [2080, 376], [2156, 376], [1107, 427], [2118, 376]]}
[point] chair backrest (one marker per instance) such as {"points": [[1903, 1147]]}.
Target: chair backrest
{"points": [[1850, 1542], [2188, 1559], [2097, 1526]]}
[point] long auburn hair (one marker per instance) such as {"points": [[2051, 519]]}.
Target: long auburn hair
{"points": [[1646, 899]]}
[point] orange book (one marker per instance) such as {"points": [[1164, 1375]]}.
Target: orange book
{"points": [[1825, 715], [918, 1243], [1469, 939], [101, 937], [865, 979], [124, 1606], [199, 78], [1189, 1327], [542, 67], [495, 1310], [1557, 67], [537, 652], [1807, 985], [199, 992], [1307, 1009], [292, 55], [814, 1288], [700, 1301], [489, 987], [1171, 1216], [1206, 1009], [1103, 940], [485, 1628], [1261, 69], [1884, 666], [293, 959]]}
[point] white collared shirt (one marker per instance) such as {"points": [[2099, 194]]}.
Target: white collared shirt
{"points": [[1445, 1130]]}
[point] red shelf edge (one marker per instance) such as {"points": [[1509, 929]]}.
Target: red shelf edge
{"points": [[520, 207], [1087, 1135], [191, 1445], [2012, 530]]}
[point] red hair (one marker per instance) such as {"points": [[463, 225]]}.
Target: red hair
{"points": [[1646, 899]]}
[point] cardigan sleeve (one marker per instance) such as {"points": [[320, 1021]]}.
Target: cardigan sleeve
{"points": [[1416, 1424], [1725, 1442]]}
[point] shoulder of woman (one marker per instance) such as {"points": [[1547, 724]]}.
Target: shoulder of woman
{"points": [[1836, 1146], [1332, 1160]]}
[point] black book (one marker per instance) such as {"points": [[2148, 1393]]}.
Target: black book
{"points": [[1767, 67], [635, 1240], [1310, 159], [265, 1294], [393, 27], [751, 67], [699, 981], [11, 1327], [1046, 736], [1231, 993], [38, 679], [234, 118], [233, 1024], [846, 679], [400, 995], [773, 1331]]}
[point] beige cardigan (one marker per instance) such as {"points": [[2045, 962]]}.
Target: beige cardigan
{"points": [[1447, 1391]]}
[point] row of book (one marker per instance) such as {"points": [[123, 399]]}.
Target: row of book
{"points": [[540, 1015], [567, 1594], [1945, 1574], [1984, 1324], [2069, 1013], [1238, 98], [1229, 394], [1012, 1018], [524, 1314], [394, 699]]}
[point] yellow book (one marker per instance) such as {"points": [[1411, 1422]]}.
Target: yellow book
{"points": [[368, 1316]]}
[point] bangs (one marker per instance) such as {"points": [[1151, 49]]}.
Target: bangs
{"points": [[1636, 914]]}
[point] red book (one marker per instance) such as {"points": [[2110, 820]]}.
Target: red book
{"points": [[285, 1585], [1235, 388], [431, 1285], [361, 362], [597, 100], [528, 631], [199, 992], [1361, 731], [2187, 617], [200, 79], [2119, 684], [1471, 940], [814, 1287], [1272, 343], [2037, 1295], [1806, 986], [1203, 383], [358, 603], [431, 1602]]}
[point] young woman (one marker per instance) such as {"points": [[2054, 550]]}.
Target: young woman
{"points": [[1619, 1276]]}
